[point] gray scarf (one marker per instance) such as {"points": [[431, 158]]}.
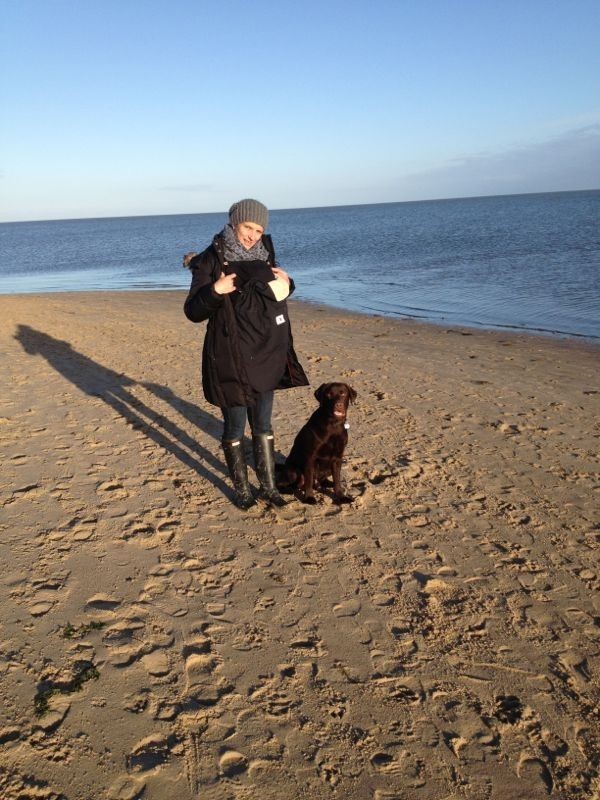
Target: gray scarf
{"points": [[234, 251]]}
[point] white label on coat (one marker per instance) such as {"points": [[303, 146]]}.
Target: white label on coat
{"points": [[280, 319]]}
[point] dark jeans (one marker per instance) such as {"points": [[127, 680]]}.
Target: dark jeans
{"points": [[259, 417]]}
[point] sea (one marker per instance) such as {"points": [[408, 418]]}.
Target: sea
{"points": [[526, 263]]}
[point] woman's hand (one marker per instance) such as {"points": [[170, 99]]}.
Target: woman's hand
{"points": [[280, 273], [225, 284]]}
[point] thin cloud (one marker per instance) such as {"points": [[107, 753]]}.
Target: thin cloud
{"points": [[567, 162], [189, 187]]}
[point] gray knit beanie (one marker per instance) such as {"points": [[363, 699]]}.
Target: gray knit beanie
{"points": [[249, 210]]}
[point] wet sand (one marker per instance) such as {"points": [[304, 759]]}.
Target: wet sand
{"points": [[436, 639]]}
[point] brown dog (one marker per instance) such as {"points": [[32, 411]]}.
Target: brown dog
{"points": [[319, 447]]}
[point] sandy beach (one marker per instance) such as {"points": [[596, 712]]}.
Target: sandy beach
{"points": [[437, 639]]}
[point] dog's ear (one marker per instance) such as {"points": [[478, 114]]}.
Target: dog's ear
{"points": [[320, 393], [352, 393]]}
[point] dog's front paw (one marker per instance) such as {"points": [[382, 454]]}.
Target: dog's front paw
{"points": [[342, 499]]}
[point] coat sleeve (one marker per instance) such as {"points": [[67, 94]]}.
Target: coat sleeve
{"points": [[202, 300]]}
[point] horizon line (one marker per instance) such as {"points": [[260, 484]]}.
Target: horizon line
{"points": [[301, 208]]}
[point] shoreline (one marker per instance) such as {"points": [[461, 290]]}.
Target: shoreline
{"points": [[435, 639], [591, 341]]}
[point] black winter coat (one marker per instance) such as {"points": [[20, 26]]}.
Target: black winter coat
{"points": [[227, 377]]}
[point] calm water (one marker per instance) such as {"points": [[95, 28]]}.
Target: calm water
{"points": [[529, 262]]}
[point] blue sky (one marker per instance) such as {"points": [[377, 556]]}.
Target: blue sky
{"points": [[127, 107]]}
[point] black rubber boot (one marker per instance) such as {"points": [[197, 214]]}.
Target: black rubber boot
{"points": [[264, 462], [238, 472]]}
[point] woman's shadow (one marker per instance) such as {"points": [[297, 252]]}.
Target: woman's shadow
{"points": [[113, 388]]}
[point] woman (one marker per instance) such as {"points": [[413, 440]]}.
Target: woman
{"points": [[248, 350]]}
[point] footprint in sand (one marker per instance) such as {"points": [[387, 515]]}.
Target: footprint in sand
{"points": [[347, 608], [576, 665], [103, 602], [385, 666], [199, 668], [39, 608], [58, 709], [125, 641], [157, 664], [202, 684], [265, 773], [138, 702], [83, 534], [534, 772], [197, 643], [10, 734], [405, 765], [114, 488], [149, 753], [440, 593], [127, 788], [232, 763], [123, 632]]}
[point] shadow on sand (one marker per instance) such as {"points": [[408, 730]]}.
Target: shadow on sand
{"points": [[114, 388]]}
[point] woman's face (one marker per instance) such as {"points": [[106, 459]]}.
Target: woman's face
{"points": [[248, 233]]}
